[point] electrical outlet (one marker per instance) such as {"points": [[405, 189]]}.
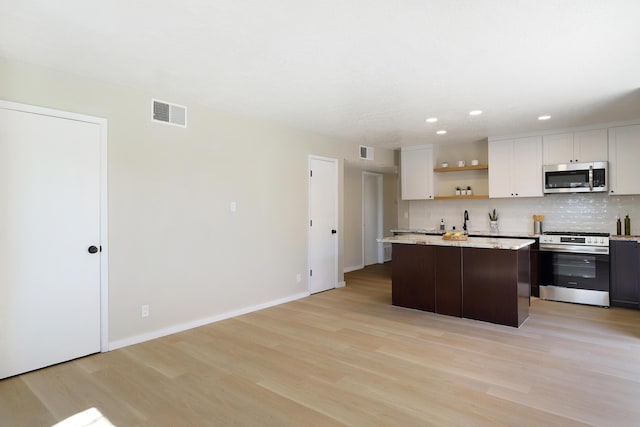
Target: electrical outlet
{"points": [[298, 278], [144, 310]]}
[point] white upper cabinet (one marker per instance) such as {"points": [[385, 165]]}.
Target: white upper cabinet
{"points": [[527, 155], [591, 145], [416, 172], [624, 157], [515, 168], [500, 168], [575, 147], [558, 149]]}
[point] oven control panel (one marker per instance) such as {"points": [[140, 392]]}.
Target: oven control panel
{"points": [[575, 240]]}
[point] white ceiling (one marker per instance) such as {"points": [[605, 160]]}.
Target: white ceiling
{"points": [[368, 71]]}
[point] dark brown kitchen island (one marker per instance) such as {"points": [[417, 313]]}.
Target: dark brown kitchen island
{"points": [[484, 279]]}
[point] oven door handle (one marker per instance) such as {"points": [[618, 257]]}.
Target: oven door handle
{"points": [[574, 249]]}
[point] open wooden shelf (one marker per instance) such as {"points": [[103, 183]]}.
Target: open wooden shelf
{"points": [[480, 196], [464, 168]]}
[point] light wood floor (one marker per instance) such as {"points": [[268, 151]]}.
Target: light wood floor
{"points": [[347, 357]]}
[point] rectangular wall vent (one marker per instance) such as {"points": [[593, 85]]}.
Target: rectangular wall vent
{"points": [[366, 153], [171, 114]]}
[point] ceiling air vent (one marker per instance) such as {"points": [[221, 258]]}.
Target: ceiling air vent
{"points": [[168, 113], [366, 153]]}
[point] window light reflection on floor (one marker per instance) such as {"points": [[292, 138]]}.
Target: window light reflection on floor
{"points": [[91, 417]]}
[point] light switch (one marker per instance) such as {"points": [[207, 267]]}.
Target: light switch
{"points": [[233, 206]]}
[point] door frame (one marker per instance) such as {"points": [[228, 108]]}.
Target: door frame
{"points": [[312, 157], [380, 208], [104, 255]]}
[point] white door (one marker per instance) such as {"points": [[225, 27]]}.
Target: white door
{"points": [[323, 224], [372, 218], [50, 170]]}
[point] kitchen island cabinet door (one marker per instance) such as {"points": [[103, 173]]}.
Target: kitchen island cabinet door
{"points": [[448, 262], [624, 273], [496, 285], [412, 276]]}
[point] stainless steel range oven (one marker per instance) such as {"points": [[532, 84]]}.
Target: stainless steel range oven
{"points": [[574, 267]]}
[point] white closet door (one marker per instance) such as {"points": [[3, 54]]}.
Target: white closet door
{"points": [[49, 217], [323, 224]]}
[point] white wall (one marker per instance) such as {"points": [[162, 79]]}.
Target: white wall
{"points": [[174, 243]]}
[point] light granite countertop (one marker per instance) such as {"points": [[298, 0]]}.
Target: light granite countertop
{"points": [[472, 242], [481, 233]]}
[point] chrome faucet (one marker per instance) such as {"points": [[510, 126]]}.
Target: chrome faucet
{"points": [[466, 218]]}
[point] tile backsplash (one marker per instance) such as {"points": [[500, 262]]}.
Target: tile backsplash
{"points": [[563, 212]]}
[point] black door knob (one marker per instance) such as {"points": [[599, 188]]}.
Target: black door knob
{"points": [[333, 231], [92, 249]]}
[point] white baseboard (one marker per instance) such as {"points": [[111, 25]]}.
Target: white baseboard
{"points": [[341, 284], [113, 345], [350, 269]]}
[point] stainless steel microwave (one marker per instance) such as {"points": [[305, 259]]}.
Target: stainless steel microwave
{"points": [[575, 178]]}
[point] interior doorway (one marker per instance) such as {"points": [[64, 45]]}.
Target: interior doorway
{"points": [[372, 218]]}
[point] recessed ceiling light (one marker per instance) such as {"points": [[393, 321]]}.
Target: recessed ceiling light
{"points": [[544, 117], [475, 112], [441, 132], [432, 119]]}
